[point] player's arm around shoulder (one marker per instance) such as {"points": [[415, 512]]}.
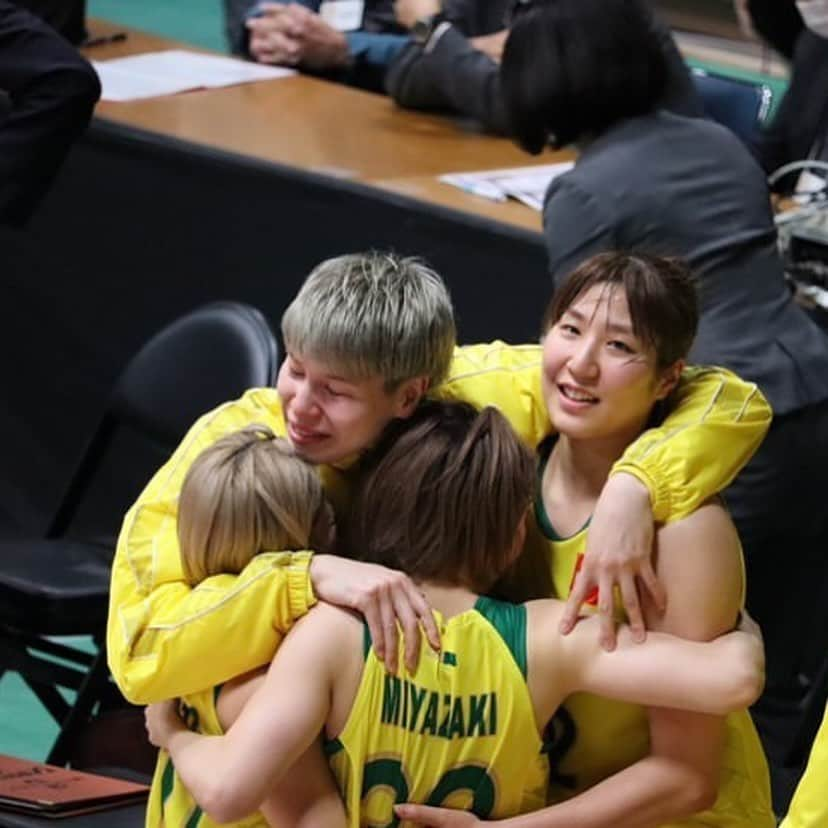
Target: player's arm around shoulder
{"points": [[505, 376], [161, 634], [549, 678], [714, 424], [699, 561], [717, 677], [231, 776]]}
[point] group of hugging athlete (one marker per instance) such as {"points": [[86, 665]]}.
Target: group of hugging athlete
{"points": [[426, 584], [414, 668]]}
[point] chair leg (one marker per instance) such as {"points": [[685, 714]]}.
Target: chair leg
{"points": [[49, 697], [89, 693]]}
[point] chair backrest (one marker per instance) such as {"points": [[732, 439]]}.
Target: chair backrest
{"points": [[740, 105], [200, 360]]}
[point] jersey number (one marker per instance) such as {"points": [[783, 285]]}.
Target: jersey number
{"points": [[389, 774]]}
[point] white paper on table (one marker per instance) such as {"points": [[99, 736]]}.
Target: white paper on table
{"points": [[176, 70], [526, 184], [343, 15]]}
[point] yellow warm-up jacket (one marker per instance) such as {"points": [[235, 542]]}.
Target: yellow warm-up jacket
{"points": [[166, 639]]}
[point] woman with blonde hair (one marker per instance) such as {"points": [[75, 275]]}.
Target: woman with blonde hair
{"points": [[245, 494], [444, 496]]}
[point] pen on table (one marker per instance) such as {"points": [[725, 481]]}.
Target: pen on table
{"points": [[102, 40], [484, 189]]}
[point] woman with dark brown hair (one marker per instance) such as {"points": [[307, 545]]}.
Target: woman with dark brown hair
{"points": [[615, 339], [445, 497], [589, 73]]}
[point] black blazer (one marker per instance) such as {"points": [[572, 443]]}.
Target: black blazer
{"points": [[455, 77], [50, 92], [688, 187]]}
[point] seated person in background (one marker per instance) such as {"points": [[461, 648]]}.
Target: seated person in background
{"points": [[593, 73], [367, 337], [50, 92], [615, 338], [444, 497], [246, 494], [302, 33], [809, 806], [452, 63]]}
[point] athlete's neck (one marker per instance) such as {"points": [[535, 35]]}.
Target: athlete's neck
{"points": [[448, 600], [573, 479]]}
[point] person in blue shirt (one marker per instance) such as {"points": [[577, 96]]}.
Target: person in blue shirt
{"points": [[298, 34]]}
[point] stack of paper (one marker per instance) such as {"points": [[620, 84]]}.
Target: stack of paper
{"points": [[526, 184], [176, 70]]}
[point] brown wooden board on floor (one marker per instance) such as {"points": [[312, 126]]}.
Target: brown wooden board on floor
{"points": [[46, 790]]}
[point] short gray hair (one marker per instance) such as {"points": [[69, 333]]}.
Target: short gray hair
{"points": [[372, 314]]}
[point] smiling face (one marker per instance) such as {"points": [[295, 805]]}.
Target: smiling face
{"points": [[599, 379], [331, 417]]}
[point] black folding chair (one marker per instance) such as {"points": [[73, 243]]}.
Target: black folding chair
{"points": [[59, 585]]}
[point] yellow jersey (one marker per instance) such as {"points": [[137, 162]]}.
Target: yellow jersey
{"points": [[591, 738], [159, 629], [459, 732], [809, 806], [170, 803], [158, 625]]}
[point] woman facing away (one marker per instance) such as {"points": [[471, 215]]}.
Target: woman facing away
{"points": [[426, 536], [616, 335], [366, 337], [247, 493], [590, 73], [445, 497]]}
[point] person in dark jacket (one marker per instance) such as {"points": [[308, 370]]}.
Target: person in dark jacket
{"points": [[451, 63], [50, 92], [654, 181]]}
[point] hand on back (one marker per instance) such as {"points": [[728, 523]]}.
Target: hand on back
{"points": [[618, 553], [388, 600], [161, 721]]}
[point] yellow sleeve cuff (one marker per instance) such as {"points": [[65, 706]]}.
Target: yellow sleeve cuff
{"points": [[660, 501], [300, 588]]}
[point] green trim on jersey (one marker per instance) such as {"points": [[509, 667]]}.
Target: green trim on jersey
{"points": [[367, 643], [195, 818], [330, 747], [542, 519], [167, 781], [508, 619], [510, 622]]}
